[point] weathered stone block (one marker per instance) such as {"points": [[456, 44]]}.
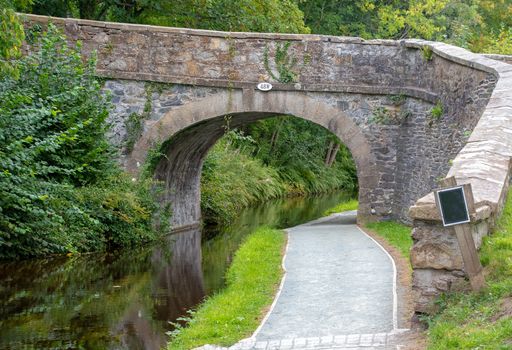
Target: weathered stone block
{"points": [[428, 284], [436, 247]]}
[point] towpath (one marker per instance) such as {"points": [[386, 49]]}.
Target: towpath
{"points": [[339, 292]]}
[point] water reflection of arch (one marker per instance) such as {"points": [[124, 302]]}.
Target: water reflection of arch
{"points": [[176, 286]]}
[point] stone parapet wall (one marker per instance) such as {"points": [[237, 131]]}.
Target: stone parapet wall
{"points": [[324, 63], [485, 163], [503, 58]]}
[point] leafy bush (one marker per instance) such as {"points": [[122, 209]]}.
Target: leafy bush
{"points": [[11, 35], [60, 190]]}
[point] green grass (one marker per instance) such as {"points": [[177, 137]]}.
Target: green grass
{"points": [[396, 234], [235, 312], [345, 206], [479, 320]]}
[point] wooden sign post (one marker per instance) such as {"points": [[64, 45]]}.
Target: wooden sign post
{"points": [[456, 204]]}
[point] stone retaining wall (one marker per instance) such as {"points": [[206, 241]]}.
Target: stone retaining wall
{"points": [[485, 163]]}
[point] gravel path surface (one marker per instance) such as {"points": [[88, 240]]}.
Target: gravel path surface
{"points": [[338, 281]]}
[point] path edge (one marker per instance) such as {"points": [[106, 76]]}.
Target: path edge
{"points": [[395, 274], [279, 290], [403, 288]]}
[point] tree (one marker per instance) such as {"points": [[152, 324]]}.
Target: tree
{"points": [[373, 18], [306, 156], [243, 15], [11, 35], [495, 33], [479, 25]]}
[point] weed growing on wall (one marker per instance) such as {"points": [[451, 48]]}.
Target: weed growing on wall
{"points": [[381, 115], [384, 116], [284, 63], [427, 53], [397, 100], [437, 111]]}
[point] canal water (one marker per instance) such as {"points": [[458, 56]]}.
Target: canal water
{"points": [[130, 299]]}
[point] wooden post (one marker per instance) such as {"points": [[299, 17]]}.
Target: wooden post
{"points": [[472, 264]]}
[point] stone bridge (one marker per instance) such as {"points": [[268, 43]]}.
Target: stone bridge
{"points": [[411, 112]]}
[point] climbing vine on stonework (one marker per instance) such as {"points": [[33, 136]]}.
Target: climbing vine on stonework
{"points": [[135, 122], [386, 116], [285, 64]]}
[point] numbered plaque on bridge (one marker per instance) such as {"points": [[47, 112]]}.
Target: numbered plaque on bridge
{"points": [[453, 206], [264, 86]]}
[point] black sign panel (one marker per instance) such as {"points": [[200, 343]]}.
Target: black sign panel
{"points": [[453, 206]]}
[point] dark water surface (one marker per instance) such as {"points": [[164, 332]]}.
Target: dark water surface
{"points": [[129, 299]]}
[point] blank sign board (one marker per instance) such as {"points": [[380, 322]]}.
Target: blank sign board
{"points": [[453, 206]]}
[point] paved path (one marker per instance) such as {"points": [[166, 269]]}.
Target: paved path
{"points": [[338, 292], [338, 281]]}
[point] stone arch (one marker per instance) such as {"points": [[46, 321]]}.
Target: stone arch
{"points": [[185, 135]]}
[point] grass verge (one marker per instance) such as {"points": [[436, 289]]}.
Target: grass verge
{"points": [[235, 312], [396, 234], [481, 320], [345, 206]]}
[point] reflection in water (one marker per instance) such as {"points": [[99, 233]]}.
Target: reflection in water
{"points": [[126, 300], [111, 301], [176, 286], [220, 245]]}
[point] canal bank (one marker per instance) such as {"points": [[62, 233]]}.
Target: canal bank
{"points": [[130, 299]]}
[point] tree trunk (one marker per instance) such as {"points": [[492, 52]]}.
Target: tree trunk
{"points": [[334, 152], [275, 137], [329, 151]]}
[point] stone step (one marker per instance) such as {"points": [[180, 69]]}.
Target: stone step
{"points": [[377, 341]]}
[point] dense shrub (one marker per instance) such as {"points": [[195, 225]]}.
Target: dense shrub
{"points": [[60, 190]]}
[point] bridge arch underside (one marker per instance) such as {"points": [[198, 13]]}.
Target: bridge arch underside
{"points": [[396, 147]]}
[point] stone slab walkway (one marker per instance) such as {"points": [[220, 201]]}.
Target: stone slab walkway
{"points": [[338, 292], [378, 341]]}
